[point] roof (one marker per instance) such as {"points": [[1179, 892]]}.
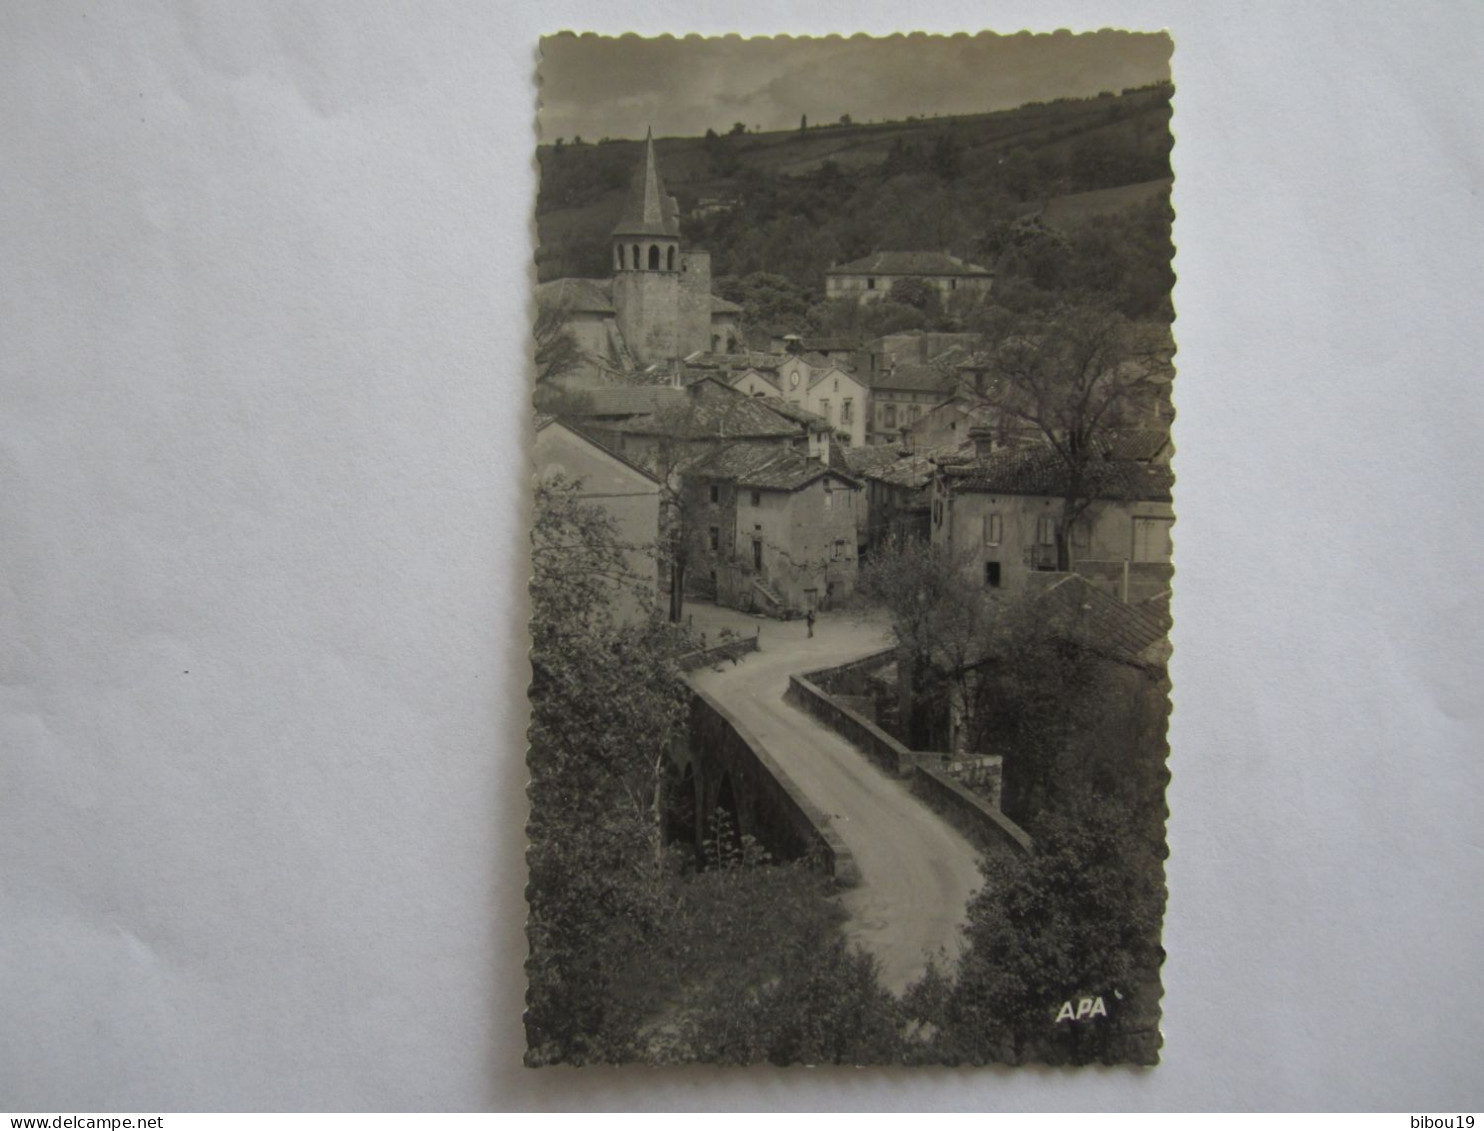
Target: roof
{"points": [[632, 400], [648, 210], [885, 463], [914, 378], [1132, 634], [1040, 471], [574, 427], [811, 420], [708, 409], [830, 345], [910, 263], [580, 296], [721, 305], [764, 467]]}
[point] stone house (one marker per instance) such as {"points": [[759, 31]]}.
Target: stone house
{"points": [[769, 529], [817, 385], [870, 279], [629, 494], [901, 396], [1001, 511]]}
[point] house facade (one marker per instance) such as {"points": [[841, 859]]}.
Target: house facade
{"points": [[816, 385], [769, 530], [870, 279], [629, 494], [1001, 512]]}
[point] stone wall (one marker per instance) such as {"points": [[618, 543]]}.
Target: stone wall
{"points": [[728, 650], [877, 745], [771, 807], [971, 814]]}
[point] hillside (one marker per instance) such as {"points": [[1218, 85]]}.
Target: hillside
{"points": [[793, 202]]}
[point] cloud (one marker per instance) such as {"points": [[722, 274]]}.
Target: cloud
{"points": [[616, 87]]}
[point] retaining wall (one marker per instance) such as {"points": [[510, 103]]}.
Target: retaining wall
{"points": [[732, 650]]}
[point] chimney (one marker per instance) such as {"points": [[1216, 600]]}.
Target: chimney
{"points": [[983, 438], [819, 446]]}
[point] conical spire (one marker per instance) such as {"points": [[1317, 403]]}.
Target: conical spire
{"points": [[649, 210]]}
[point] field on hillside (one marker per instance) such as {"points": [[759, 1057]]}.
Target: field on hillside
{"points": [[792, 203]]}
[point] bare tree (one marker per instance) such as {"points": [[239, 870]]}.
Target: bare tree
{"points": [[557, 351], [1072, 377]]}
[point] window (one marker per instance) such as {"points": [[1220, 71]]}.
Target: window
{"points": [[654, 257], [620, 257], [757, 498], [992, 574], [829, 496], [870, 284], [1046, 530], [670, 257], [839, 549], [716, 538], [1082, 535], [992, 529], [635, 249], [824, 409], [715, 493], [845, 411], [913, 413], [891, 416]]}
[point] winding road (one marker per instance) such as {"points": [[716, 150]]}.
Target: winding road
{"points": [[917, 871]]}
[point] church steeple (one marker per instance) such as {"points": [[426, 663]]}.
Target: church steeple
{"points": [[649, 209]]}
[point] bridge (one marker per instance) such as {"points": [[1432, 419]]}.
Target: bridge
{"points": [[803, 790]]}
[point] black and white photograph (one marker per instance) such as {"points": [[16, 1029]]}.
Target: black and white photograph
{"points": [[853, 546]]}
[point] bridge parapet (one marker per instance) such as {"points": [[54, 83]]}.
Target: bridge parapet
{"points": [[771, 807]]}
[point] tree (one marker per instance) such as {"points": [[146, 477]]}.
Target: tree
{"points": [[739, 128], [1072, 376], [845, 119], [606, 699], [557, 351], [914, 292], [803, 123], [768, 301]]}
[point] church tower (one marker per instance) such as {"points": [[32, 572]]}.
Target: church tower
{"points": [[648, 267]]}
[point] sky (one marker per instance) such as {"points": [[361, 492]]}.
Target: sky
{"points": [[597, 87]]}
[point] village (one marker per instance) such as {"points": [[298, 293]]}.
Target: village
{"points": [[907, 539], [769, 474]]}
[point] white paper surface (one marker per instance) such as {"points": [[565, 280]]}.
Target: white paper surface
{"points": [[262, 412]]}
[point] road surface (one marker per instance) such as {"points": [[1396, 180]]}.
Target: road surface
{"points": [[917, 871]]}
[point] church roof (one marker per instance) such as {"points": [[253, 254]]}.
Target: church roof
{"points": [[649, 210], [910, 263], [579, 296]]}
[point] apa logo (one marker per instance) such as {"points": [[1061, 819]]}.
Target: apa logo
{"points": [[1087, 1009]]}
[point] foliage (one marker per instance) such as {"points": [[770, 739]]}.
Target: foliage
{"points": [[557, 351], [605, 701], [914, 292], [769, 302], [634, 954], [1072, 375], [1078, 917]]}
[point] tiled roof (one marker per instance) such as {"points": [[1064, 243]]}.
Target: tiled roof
{"points": [[886, 463], [710, 409], [649, 210], [830, 345], [1134, 634], [575, 427], [909, 263], [914, 378], [811, 420], [721, 305], [580, 296], [632, 400], [1040, 471], [764, 467]]}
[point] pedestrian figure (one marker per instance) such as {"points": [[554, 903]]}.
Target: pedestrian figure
{"points": [[809, 620]]}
